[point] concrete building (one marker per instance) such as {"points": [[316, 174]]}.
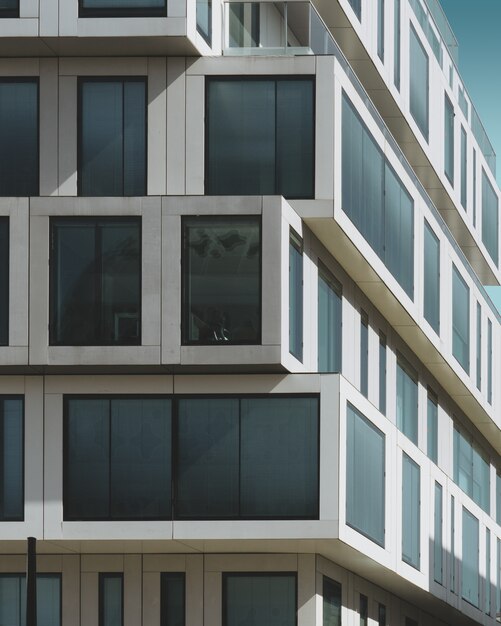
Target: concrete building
{"points": [[249, 374]]}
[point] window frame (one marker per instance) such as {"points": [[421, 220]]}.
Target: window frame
{"points": [[185, 267], [23, 454], [165, 576], [124, 78], [54, 264], [58, 575], [101, 578]]}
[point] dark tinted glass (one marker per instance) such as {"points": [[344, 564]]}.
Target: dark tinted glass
{"points": [[407, 400], [172, 599], [13, 599], [260, 137], [204, 19], [490, 219], [460, 320], [111, 599], [296, 295], [259, 599], [419, 79], [382, 373], [356, 5], [364, 353], [18, 136], [329, 322], [222, 280], [109, 8], [449, 140], [411, 512], [431, 278], [208, 458], [464, 168], [11, 458], [112, 155], [95, 281], [4, 281], [118, 458], [9, 8], [331, 602]]}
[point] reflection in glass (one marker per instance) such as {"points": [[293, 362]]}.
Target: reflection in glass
{"points": [[222, 280], [4, 281]]}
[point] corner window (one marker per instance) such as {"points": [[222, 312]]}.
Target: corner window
{"points": [[411, 512], [172, 599], [112, 137], [111, 599], [460, 320], [221, 280], [296, 295], [255, 599], [490, 218], [122, 8], [419, 83], [407, 399], [95, 281], [260, 137], [18, 135], [4, 281], [117, 458], [13, 599], [11, 459], [330, 303], [365, 472]]}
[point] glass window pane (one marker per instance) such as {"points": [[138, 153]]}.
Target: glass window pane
{"points": [[449, 139], [431, 278], [140, 458], [470, 576], [479, 346], [48, 600], [356, 5], [365, 471], [488, 571], [4, 281], [332, 602], [498, 499], [396, 44], [204, 19], [437, 539], [207, 458], [460, 320], [380, 29], [112, 138], [87, 467], [330, 304], [364, 353], [419, 83], [279, 457], [172, 599], [411, 511], [110, 600], [407, 400], [11, 458], [490, 219], [489, 361], [222, 280], [296, 296], [364, 610], [432, 424], [381, 615], [139, 8], [258, 599], [18, 137], [382, 374], [464, 168], [11, 599]]}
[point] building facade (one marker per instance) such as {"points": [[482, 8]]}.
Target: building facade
{"points": [[249, 374]]}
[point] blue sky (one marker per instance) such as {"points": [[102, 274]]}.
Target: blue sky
{"points": [[476, 24]]}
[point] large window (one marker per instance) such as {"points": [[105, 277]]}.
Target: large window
{"points": [[375, 199], [13, 599], [256, 599], [112, 137], [122, 8], [431, 278], [247, 458], [226, 457], [330, 304], [296, 295], [411, 512], [407, 399], [471, 470], [460, 320], [260, 137], [332, 602], [172, 599], [365, 472], [221, 280], [490, 218], [18, 134], [111, 599], [95, 281], [419, 83], [449, 139], [11, 459], [4, 281], [470, 579]]}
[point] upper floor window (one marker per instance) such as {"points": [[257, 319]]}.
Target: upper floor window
{"points": [[204, 19], [490, 219], [330, 303], [13, 599], [295, 295], [407, 399], [221, 280], [419, 83], [111, 599], [356, 5], [18, 136], [460, 320], [431, 278], [331, 602], [396, 43], [172, 598], [260, 136], [11, 460], [375, 199], [9, 8], [255, 599], [471, 470], [95, 281], [411, 512], [4, 281], [464, 168], [380, 29], [112, 137], [470, 579], [122, 8], [449, 139]]}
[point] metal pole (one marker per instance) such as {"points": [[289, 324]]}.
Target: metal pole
{"points": [[31, 583]]}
